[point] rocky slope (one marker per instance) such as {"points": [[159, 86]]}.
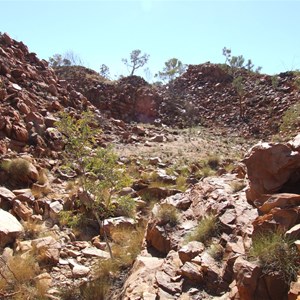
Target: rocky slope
{"points": [[204, 95], [174, 262], [177, 264]]}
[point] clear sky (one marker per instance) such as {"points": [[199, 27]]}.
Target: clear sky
{"points": [[104, 32]]}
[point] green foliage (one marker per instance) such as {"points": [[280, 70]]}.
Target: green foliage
{"points": [[275, 81], [237, 83], [291, 118], [206, 228], [104, 71], [100, 175], [276, 254], [126, 206], [136, 60], [237, 186], [173, 68], [67, 59], [17, 168], [238, 61], [168, 214], [181, 182]]}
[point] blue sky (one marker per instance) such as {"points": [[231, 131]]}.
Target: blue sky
{"points": [[104, 32]]}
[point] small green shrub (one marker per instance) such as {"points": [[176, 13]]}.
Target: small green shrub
{"points": [[181, 183], [276, 254], [237, 186], [206, 228], [216, 251], [126, 206], [291, 118], [168, 214], [17, 168]]}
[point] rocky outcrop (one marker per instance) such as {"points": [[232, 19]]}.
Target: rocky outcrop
{"points": [[30, 93], [205, 94], [179, 269], [273, 172]]}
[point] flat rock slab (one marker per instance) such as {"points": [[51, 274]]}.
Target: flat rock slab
{"points": [[95, 252]]}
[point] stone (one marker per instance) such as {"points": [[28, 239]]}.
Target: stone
{"points": [[6, 194], [269, 167], [157, 139], [154, 161], [294, 232], [55, 208], [6, 197], [19, 133], [247, 275], [10, 228], [47, 249], [22, 210], [95, 252], [191, 250], [118, 222], [282, 200], [52, 90], [78, 270], [158, 238], [294, 292], [192, 272]]}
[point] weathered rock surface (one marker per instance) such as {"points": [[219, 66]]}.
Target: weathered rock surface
{"points": [[194, 272], [10, 228]]}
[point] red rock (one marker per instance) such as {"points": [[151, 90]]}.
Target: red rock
{"points": [[191, 250], [247, 275], [192, 272], [269, 167], [19, 133]]}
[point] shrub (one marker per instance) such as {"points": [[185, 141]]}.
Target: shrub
{"points": [[216, 251], [168, 214], [237, 186], [126, 246], [17, 278], [181, 183], [276, 254], [17, 168], [83, 155], [126, 206], [206, 228], [291, 119]]}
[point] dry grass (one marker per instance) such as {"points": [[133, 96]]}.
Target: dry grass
{"points": [[17, 278], [168, 214], [205, 230], [32, 229], [276, 254], [237, 186]]}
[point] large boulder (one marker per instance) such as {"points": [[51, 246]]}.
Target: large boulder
{"points": [[272, 168], [10, 228]]}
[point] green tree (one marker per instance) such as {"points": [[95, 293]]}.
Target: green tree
{"points": [[173, 68], [100, 175], [69, 58], [238, 61], [57, 60], [104, 71], [137, 60]]}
